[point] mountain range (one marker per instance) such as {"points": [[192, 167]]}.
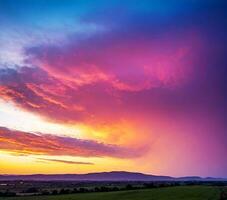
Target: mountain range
{"points": [[103, 176]]}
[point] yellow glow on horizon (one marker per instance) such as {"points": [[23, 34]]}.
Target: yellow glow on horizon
{"points": [[15, 164]]}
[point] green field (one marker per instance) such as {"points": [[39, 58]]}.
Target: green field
{"points": [[169, 193]]}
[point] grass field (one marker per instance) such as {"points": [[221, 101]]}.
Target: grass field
{"points": [[169, 193]]}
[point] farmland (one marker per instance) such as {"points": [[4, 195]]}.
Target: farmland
{"points": [[167, 193]]}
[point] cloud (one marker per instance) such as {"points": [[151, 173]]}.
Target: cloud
{"points": [[34, 90], [125, 60], [90, 79], [65, 161], [45, 144]]}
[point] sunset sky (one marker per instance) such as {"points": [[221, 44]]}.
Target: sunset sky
{"points": [[97, 85]]}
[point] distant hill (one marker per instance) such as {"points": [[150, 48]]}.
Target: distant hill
{"points": [[102, 176]]}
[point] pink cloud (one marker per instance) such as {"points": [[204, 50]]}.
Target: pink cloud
{"points": [[126, 62]]}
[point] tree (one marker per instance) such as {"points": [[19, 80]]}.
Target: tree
{"points": [[54, 192], [129, 187]]}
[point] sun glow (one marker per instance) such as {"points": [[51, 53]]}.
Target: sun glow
{"points": [[15, 118]]}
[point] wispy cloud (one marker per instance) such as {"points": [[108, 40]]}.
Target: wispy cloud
{"points": [[65, 161]]}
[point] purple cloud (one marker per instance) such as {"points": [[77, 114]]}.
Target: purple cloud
{"points": [[46, 144]]}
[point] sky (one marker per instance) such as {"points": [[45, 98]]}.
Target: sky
{"points": [[92, 86]]}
